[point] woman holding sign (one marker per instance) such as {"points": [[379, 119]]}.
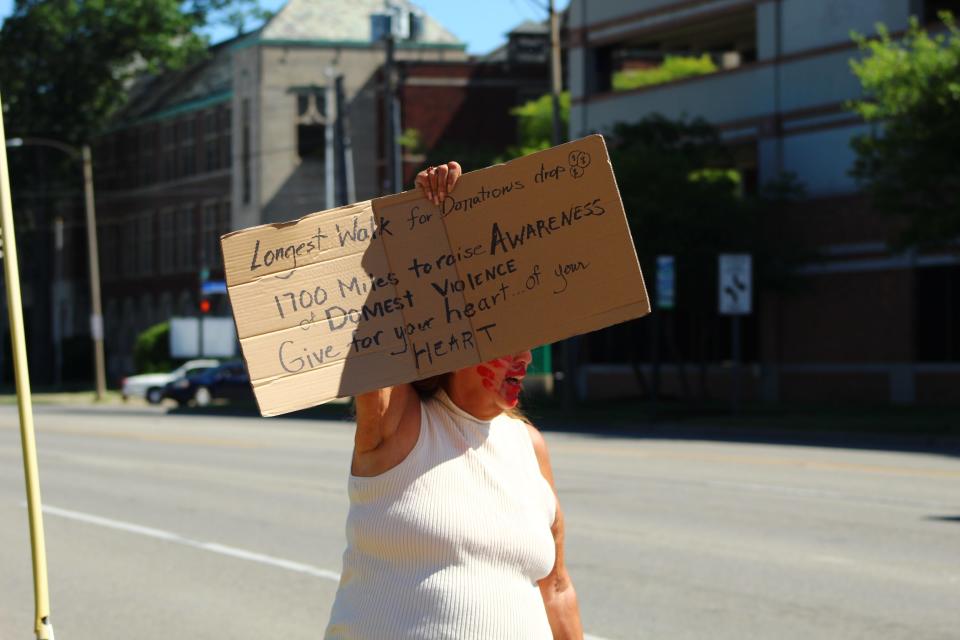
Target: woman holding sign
{"points": [[454, 529]]}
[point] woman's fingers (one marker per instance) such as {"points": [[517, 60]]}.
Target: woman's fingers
{"points": [[437, 182], [434, 184], [454, 173], [423, 181], [442, 187]]}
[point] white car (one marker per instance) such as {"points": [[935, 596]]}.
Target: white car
{"points": [[150, 385]]}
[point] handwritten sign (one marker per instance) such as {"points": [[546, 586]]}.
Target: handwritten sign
{"points": [[397, 289]]}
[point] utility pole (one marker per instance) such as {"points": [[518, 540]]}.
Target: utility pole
{"points": [[349, 186], [58, 302], [388, 111], [556, 79], [571, 346], [330, 139], [96, 312]]}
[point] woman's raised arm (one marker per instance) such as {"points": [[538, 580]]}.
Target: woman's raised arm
{"points": [[380, 413]]}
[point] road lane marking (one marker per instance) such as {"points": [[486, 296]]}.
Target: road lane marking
{"points": [[176, 538], [213, 547]]}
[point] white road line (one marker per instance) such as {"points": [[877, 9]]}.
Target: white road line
{"points": [[213, 547]]}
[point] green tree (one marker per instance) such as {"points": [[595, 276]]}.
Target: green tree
{"points": [[683, 197], [908, 161], [535, 123], [68, 64], [151, 351]]}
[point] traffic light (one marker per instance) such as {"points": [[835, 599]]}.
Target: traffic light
{"points": [[204, 306]]}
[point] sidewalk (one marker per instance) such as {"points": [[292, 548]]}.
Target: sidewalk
{"points": [[64, 397]]}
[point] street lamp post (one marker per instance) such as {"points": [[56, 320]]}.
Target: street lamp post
{"points": [[96, 315]]}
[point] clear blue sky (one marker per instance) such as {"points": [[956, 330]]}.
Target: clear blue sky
{"points": [[480, 23]]}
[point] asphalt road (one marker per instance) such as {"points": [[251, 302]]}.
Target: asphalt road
{"points": [[162, 526]]}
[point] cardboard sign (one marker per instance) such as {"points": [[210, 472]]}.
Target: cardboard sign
{"points": [[396, 289]]}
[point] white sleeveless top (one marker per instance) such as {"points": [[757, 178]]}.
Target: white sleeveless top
{"points": [[450, 543]]}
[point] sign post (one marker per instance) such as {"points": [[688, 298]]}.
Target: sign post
{"points": [[665, 301], [735, 293], [42, 627], [666, 282]]}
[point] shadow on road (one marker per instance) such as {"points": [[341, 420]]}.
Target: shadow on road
{"points": [[911, 429], [923, 430]]}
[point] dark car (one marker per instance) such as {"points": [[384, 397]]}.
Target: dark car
{"points": [[229, 381]]}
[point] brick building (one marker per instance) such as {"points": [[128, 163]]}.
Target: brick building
{"points": [[234, 141]]}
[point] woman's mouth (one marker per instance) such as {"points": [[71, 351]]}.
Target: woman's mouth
{"points": [[514, 377]]}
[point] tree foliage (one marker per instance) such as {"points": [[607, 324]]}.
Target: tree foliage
{"points": [[684, 197], [68, 64], [680, 196], [535, 124], [151, 351], [908, 162]]}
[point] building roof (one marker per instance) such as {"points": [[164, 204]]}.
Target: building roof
{"points": [[529, 26], [208, 80], [342, 20]]}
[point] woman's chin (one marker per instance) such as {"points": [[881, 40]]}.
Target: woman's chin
{"points": [[511, 395]]}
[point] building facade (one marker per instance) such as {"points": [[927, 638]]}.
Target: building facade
{"points": [[241, 139], [234, 141], [868, 325]]}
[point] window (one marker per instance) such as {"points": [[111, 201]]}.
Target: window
{"points": [[111, 265], [184, 251], [211, 142], [210, 251], [145, 239], [148, 157], [215, 223], [311, 124], [168, 151], [226, 127], [187, 164], [130, 246], [166, 240], [223, 221]]}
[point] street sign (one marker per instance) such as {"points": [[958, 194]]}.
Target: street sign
{"points": [[211, 287], [666, 282], [736, 284]]}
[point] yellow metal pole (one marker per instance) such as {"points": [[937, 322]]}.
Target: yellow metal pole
{"points": [[11, 274]]}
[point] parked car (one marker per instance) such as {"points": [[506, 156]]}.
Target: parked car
{"points": [[229, 381], [150, 385]]}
